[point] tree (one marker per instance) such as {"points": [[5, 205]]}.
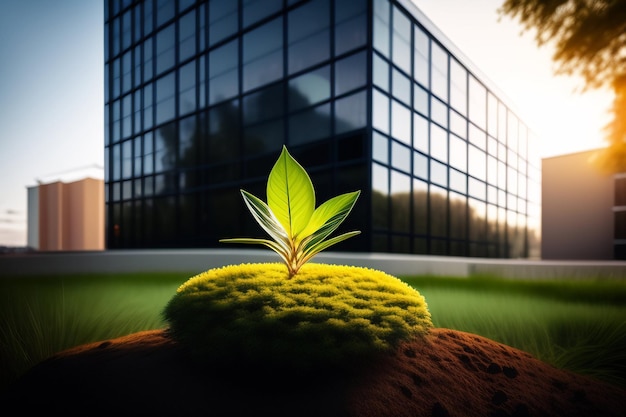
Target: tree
{"points": [[590, 41]]}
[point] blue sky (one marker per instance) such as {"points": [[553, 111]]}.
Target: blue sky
{"points": [[51, 90]]}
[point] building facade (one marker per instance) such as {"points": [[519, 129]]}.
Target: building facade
{"points": [[66, 216], [366, 94], [586, 221]]}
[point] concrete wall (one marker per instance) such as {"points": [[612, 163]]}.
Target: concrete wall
{"points": [[196, 261], [577, 209]]}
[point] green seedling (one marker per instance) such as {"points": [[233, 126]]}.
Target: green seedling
{"points": [[298, 229]]}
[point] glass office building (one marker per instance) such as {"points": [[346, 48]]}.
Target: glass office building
{"points": [[367, 95]]}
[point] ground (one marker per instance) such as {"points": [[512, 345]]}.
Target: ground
{"points": [[446, 373]]}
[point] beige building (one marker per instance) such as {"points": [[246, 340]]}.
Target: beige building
{"points": [[582, 209], [66, 216]]}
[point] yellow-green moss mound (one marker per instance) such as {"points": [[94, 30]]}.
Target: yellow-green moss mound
{"points": [[324, 315]]}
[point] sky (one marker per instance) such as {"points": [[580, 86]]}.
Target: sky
{"points": [[52, 100]]}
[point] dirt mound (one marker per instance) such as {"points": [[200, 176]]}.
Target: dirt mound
{"points": [[447, 373]]}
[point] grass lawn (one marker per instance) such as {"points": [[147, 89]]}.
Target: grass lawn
{"points": [[573, 324]]}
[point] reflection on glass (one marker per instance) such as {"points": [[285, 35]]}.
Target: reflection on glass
{"points": [[380, 111], [350, 33], [380, 197], [401, 87], [492, 114], [477, 163], [223, 17], [477, 189], [421, 65], [477, 103], [400, 122], [262, 54], [458, 153], [420, 207], [127, 159], [420, 99], [400, 202], [223, 72], [438, 211], [439, 71], [165, 98], [310, 88], [477, 136], [187, 88], [381, 72], [263, 105], [263, 137], [380, 148], [458, 87], [458, 124], [255, 10], [401, 40], [187, 36], [310, 125], [400, 156], [420, 133], [438, 173], [381, 27], [350, 112], [165, 147], [458, 218], [438, 143], [420, 165], [309, 35], [148, 154], [165, 49], [350, 73], [438, 111], [458, 181]]}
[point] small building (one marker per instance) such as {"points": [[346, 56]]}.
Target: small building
{"points": [[66, 216], [583, 209]]}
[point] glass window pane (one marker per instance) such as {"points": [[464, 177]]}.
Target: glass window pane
{"points": [[187, 88], [420, 165], [458, 124], [458, 153], [309, 89], [381, 111], [223, 72], [351, 33], [165, 98], [223, 17], [420, 133], [438, 173], [262, 55], [350, 73], [310, 125], [421, 65], [458, 87], [381, 73], [438, 111], [380, 148], [458, 181], [401, 87], [401, 203], [439, 68], [309, 35], [350, 112], [400, 122], [381, 27], [263, 105], [400, 156], [438, 143], [255, 10], [263, 137], [187, 36], [477, 163], [477, 103], [401, 40], [165, 49], [420, 99]]}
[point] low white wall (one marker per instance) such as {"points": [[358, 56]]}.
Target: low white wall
{"points": [[196, 261]]}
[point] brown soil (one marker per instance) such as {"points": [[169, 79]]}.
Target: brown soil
{"points": [[447, 373]]}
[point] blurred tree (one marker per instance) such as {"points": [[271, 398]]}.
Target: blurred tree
{"points": [[590, 40]]}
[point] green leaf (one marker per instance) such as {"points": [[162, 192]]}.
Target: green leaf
{"points": [[266, 218], [313, 250], [327, 217], [275, 246], [290, 194]]}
